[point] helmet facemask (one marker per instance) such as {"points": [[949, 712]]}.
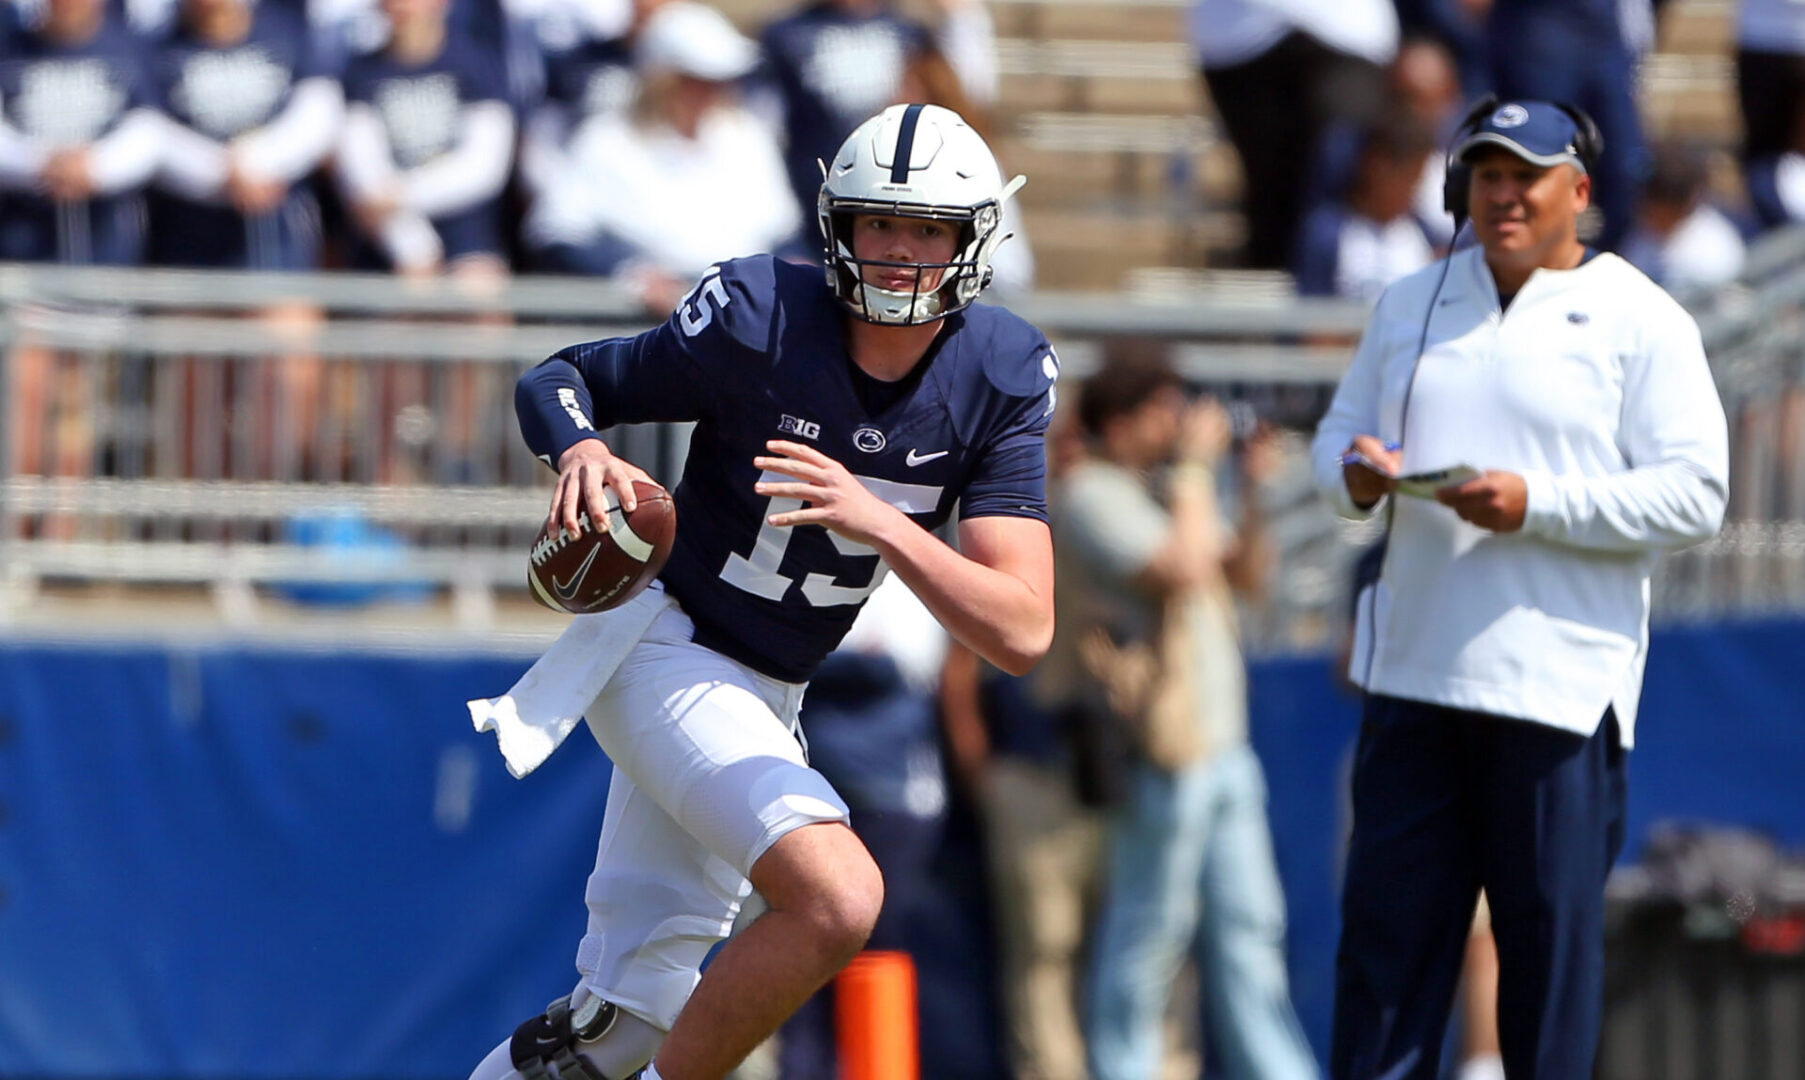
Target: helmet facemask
{"points": [[961, 278]]}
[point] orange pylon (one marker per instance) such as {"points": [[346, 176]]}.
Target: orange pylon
{"points": [[874, 1011]]}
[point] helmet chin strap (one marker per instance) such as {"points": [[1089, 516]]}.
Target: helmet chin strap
{"points": [[896, 307]]}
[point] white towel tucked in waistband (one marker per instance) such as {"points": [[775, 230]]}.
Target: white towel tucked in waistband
{"points": [[535, 716]]}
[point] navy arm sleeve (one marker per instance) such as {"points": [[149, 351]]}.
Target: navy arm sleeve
{"points": [[687, 369], [602, 383]]}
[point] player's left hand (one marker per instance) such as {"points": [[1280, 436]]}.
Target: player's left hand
{"points": [[1496, 501], [832, 496]]}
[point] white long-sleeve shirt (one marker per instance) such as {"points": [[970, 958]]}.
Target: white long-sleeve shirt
{"points": [[1593, 387], [197, 166]]}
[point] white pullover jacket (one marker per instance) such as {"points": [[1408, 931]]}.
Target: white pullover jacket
{"points": [[1593, 387]]}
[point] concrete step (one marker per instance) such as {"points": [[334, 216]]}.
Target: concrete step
{"points": [[1691, 98], [1126, 20], [1099, 247], [1698, 28], [1106, 76], [1077, 177]]}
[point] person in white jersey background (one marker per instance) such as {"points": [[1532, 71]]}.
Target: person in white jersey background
{"points": [[1502, 649]]}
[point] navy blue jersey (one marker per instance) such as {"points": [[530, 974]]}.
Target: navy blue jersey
{"points": [[421, 104], [756, 353], [223, 92], [71, 95], [594, 78], [833, 69]]}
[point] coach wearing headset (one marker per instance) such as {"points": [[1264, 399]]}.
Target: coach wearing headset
{"points": [[1502, 649]]}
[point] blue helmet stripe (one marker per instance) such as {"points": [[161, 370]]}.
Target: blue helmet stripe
{"points": [[905, 145]]}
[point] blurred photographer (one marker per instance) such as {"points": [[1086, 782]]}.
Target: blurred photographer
{"points": [[1147, 643]]}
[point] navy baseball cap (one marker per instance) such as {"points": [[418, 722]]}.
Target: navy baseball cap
{"points": [[1536, 131]]}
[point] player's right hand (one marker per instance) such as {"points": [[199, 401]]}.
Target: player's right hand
{"points": [[584, 471], [1370, 467]]}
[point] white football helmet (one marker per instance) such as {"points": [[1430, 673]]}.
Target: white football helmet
{"points": [[919, 161]]}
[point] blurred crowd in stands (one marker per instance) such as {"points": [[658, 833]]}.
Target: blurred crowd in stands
{"points": [[1375, 90], [649, 138], [641, 138]]}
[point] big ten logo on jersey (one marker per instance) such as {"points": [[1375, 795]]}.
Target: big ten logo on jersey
{"points": [[698, 308], [68, 102], [420, 116], [226, 93], [795, 425]]}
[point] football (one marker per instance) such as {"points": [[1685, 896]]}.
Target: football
{"points": [[595, 571]]}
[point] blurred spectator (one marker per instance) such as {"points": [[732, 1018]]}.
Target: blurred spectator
{"points": [[1680, 239], [427, 147], [1457, 27], [1770, 77], [871, 729], [1279, 75], [253, 111], [1423, 88], [1148, 638], [835, 62], [1581, 53], [1039, 792], [683, 179], [1777, 183], [1355, 246], [1425, 82], [78, 137], [253, 114]]}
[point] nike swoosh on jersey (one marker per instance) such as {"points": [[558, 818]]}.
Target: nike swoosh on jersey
{"points": [[916, 457], [568, 589]]}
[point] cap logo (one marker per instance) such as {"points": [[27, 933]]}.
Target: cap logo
{"points": [[1510, 116]]}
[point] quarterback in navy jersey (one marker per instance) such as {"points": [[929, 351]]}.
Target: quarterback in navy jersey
{"points": [[255, 112], [837, 423]]}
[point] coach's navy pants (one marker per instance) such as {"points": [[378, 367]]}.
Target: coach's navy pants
{"points": [[1447, 801]]}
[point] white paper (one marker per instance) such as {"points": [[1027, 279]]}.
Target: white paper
{"points": [[1424, 485]]}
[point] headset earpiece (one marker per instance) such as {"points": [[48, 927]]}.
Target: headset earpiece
{"points": [[1454, 186], [1588, 142]]}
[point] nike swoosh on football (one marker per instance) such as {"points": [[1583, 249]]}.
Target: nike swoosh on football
{"points": [[915, 457], [567, 590]]}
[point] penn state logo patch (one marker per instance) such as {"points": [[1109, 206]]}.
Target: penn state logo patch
{"points": [[868, 439], [1510, 116]]}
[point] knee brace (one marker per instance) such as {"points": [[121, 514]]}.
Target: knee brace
{"points": [[594, 1041]]}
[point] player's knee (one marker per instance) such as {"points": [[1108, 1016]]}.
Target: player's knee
{"points": [[849, 907], [824, 876]]}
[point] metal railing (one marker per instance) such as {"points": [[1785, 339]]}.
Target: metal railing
{"points": [[249, 431]]}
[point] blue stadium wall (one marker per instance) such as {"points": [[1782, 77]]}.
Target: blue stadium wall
{"points": [[231, 862]]}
